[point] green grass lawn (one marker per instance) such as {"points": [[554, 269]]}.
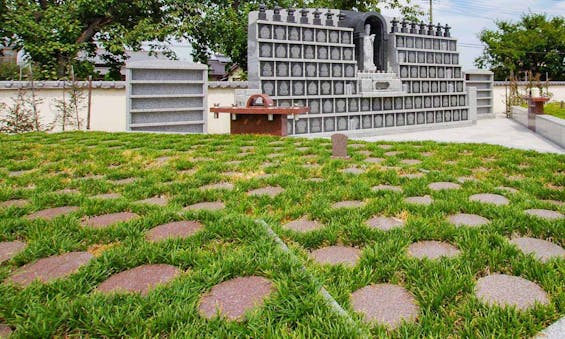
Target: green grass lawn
{"points": [[232, 244], [554, 108]]}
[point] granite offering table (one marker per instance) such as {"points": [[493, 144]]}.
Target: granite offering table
{"points": [[260, 116]]}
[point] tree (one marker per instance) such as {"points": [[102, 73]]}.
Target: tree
{"points": [[221, 26], [535, 44], [59, 33]]}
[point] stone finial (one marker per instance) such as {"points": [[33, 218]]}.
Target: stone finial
{"points": [[438, 29], [341, 19], [394, 28], [317, 20], [277, 13], [431, 29], [422, 29], [290, 15], [446, 32], [413, 29], [404, 24], [329, 18], [262, 12], [304, 16]]}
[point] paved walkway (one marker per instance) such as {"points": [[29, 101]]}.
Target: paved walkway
{"points": [[498, 131]]}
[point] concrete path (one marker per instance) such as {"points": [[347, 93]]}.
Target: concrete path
{"points": [[498, 131]]}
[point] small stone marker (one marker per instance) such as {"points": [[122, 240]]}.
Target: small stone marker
{"points": [[335, 255], [271, 191], [156, 201], [9, 249], [543, 250], [5, 331], [339, 145], [424, 200], [206, 206], [51, 268], [432, 250], [218, 186], [349, 204], [385, 223], [52, 213], [387, 188], [438, 186], [233, 298], [141, 279], [506, 290], [177, 229], [464, 219], [385, 304], [489, 198], [544, 214], [14, 203], [103, 221], [303, 225]]}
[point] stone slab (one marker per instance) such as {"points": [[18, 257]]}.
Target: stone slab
{"points": [[177, 229], [541, 249], [106, 220], [303, 225], [374, 160], [432, 250], [353, 170], [218, 186], [349, 204], [385, 304], [423, 200], [385, 223], [335, 255], [50, 268], [141, 279], [489, 198], [206, 206], [339, 145], [464, 219], [107, 196], [14, 203], [544, 214], [410, 162], [233, 298], [438, 186], [271, 191], [9, 249], [52, 213], [506, 290], [156, 201]]}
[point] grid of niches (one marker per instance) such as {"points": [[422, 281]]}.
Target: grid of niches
{"points": [[305, 61]]}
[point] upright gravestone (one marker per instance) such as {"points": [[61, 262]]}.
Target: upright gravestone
{"points": [[339, 145]]}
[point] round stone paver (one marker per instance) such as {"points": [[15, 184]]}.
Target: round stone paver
{"points": [[544, 214], [334, 255], [103, 221], [353, 170], [107, 196], [506, 290], [141, 279], [14, 203], [67, 191], [438, 186], [177, 229], [9, 249], [385, 304], [410, 161], [233, 298], [271, 191], [507, 189], [218, 186], [385, 223], [303, 225], [464, 219], [432, 250], [392, 153], [412, 175], [5, 331], [51, 268], [425, 200], [156, 201], [349, 204], [374, 160], [387, 188], [543, 250], [52, 213], [206, 206], [489, 198]]}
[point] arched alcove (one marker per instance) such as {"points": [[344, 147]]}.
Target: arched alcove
{"points": [[357, 21]]}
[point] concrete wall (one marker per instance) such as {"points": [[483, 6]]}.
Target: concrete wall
{"points": [[557, 89], [547, 126]]}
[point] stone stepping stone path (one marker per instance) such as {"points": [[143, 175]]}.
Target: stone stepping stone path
{"points": [[271, 191], [106, 220], [156, 201], [335, 255], [374, 160], [52, 213], [177, 229], [233, 298], [50, 268], [206, 206], [410, 162], [14, 203], [464, 219], [541, 249], [432, 250], [349, 204], [5, 331], [9, 249], [218, 186], [544, 214], [385, 304], [489, 198], [423, 200], [353, 170], [141, 279], [385, 223], [506, 290], [303, 225], [387, 188], [107, 196], [438, 186]]}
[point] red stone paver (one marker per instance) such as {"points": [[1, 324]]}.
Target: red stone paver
{"points": [[335, 255], [432, 250], [9, 249], [233, 298], [103, 221], [506, 290], [177, 229], [141, 279], [52, 213]]}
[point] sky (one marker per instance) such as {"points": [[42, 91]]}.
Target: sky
{"points": [[469, 18]]}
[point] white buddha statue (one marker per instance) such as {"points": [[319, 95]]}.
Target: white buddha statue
{"points": [[368, 50]]}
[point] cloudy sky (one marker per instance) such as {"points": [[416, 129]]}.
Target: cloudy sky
{"points": [[469, 18]]}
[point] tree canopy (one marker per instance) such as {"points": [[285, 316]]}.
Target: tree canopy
{"points": [[534, 44]]}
